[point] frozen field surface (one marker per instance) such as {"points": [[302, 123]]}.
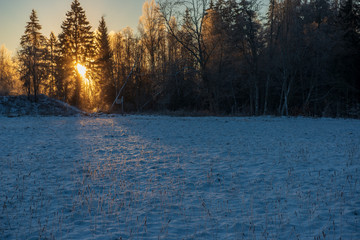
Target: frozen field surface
{"points": [[152, 177]]}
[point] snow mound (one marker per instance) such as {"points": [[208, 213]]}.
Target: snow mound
{"points": [[15, 106]]}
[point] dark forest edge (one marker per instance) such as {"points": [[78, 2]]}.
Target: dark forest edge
{"points": [[198, 58]]}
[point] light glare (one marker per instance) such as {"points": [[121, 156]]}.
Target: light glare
{"points": [[81, 70]]}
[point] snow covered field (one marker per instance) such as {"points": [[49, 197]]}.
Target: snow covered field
{"points": [[151, 177]]}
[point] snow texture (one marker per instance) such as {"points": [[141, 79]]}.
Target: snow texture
{"points": [[156, 177], [15, 106]]}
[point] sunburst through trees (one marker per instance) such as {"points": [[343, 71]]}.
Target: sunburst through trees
{"points": [[77, 47], [202, 55], [81, 70]]}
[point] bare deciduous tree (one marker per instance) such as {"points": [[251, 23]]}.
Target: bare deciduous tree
{"points": [[192, 36]]}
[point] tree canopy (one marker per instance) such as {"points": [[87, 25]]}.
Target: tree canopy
{"points": [[221, 57]]}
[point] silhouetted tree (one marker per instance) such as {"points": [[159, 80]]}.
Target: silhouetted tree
{"points": [[191, 38], [152, 33], [77, 47], [216, 55], [32, 55], [51, 86], [247, 34], [104, 66], [348, 53]]}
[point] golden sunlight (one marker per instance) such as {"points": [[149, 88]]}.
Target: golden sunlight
{"points": [[81, 70]]}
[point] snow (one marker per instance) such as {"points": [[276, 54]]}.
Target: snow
{"points": [[15, 106], [158, 177]]}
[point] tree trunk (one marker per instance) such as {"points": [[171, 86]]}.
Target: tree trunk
{"points": [[256, 98], [266, 94]]}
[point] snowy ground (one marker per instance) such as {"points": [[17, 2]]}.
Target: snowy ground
{"points": [[149, 177]]}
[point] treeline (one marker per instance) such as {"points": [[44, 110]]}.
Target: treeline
{"points": [[222, 57]]}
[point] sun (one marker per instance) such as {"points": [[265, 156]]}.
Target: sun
{"points": [[81, 70]]}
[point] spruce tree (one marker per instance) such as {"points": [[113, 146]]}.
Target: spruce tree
{"points": [[52, 59], [349, 20], [349, 55], [31, 56], [104, 65], [77, 47]]}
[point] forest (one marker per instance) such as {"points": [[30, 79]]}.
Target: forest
{"points": [[296, 57]]}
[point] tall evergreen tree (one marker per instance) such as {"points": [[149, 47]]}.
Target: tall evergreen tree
{"points": [[31, 56], [52, 88], [248, 39], [77, 43], [104, 65], [349, 54]]}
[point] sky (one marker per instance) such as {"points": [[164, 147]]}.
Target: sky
{"points": [[14, 14]]}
